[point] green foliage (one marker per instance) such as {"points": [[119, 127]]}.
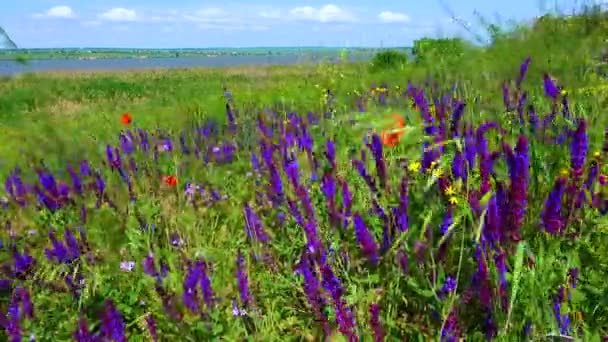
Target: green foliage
{"points": [[388, 60], [431, 50]]}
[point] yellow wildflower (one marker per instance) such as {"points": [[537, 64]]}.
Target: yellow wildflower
{"points": [[564, 173], [564, 92], [453, 200], [437, 172], [597, 154], [450, 190], [414, 167]]}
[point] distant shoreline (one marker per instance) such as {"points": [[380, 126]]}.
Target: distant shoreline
{"points": [[107, 53], [10, 67]]}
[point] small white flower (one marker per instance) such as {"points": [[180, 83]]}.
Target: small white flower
{"points": [[127, 266]]}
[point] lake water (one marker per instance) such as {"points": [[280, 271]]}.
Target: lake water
{"points": [[11, 67]]}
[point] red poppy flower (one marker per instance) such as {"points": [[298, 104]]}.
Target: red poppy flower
{"points": [[391, 139], [170, 180], [126, 118]]}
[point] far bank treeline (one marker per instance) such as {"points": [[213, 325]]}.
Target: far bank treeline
{"points": [[568, 45]]}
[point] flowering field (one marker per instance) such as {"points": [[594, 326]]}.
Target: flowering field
{"points": [[302, 205]]}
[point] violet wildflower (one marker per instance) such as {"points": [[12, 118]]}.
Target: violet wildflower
{"points": [[347, 201], [12, 326], [366, 240], [403, 261], [190, 295], [183, 143], [85, 168], [15, 187], [292, 171], [205, 283], [76, 181], [330, 154], [23, 262], [458, 166], [253, 225], [448, 220], [448, 287], [519, 175], [501, 268], [381, 213], [152, 328], [374, 321], [456, 117], [344, 315], [492, 225], [328, 187], [592, 176], [578, 148], [26, 302], [360, 167], [149, 265], [552, 219], [82, 333], [521, 103], [481, 280], [573, 274], [551, 90], [401, 212], [242, 279], [376, 149], [451, 329], [58, 252], [312, 289], [470, 148], [126, 143], [523, 70], [563, 321], [112, 326]]}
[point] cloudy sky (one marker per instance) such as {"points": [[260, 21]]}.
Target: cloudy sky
{"points": [[241, 23]]}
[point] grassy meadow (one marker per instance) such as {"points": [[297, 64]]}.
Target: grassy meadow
{"points": [[269, 204]]}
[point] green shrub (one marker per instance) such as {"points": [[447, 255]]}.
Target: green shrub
{"points": [[389, 59]]}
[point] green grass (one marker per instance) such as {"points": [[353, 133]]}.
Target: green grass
{"points": [[56, 119]]}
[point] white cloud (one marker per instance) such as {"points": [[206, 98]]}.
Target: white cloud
{"points": [[211, 15], [119, 14], [232, 27], [57, 12], [393, 17], [325, 14], [271, 14]]}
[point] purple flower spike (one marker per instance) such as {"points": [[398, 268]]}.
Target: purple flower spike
{"points": [[112, 326], [578, 148], [242, 279], [374, 321], [551, 89], [523, 70], [366, 240], [552, 219]]}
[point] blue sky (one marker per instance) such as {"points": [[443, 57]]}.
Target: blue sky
{"points": [[242, 23]]}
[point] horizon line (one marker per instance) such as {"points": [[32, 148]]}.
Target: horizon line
{"points": [[206, 48]]}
